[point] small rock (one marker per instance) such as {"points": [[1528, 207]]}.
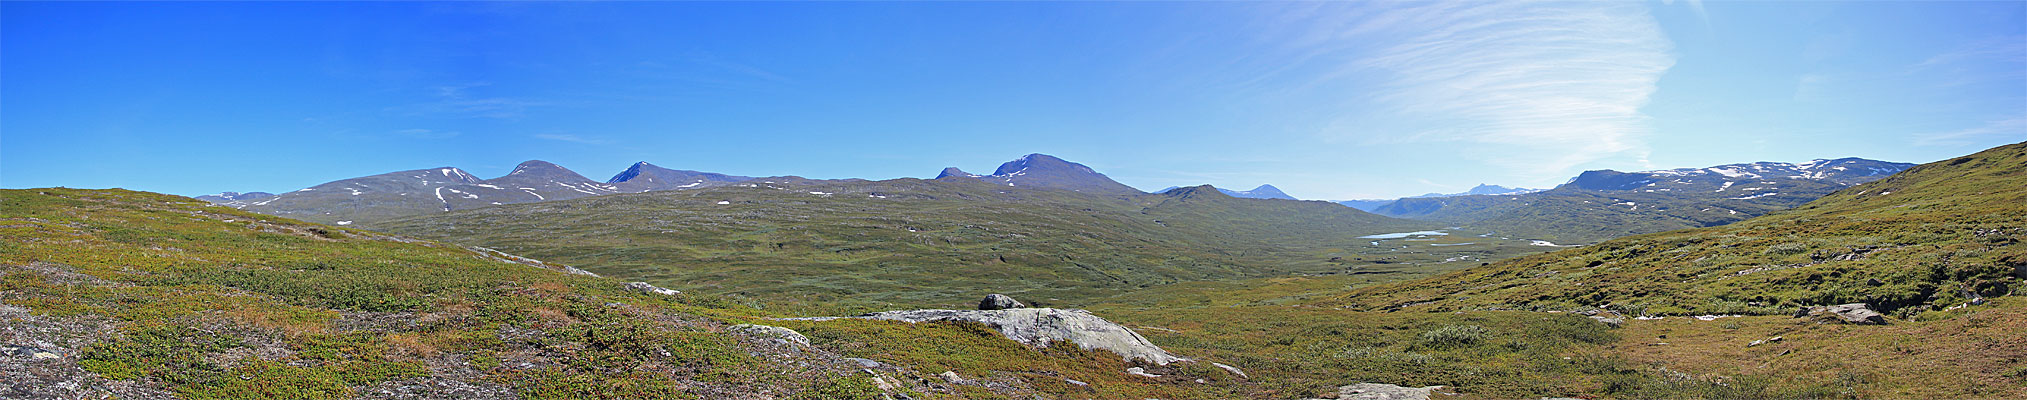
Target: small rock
{"points": [[998, 301], [864, 363], [1138, 371], [35, 353], [644, 287]]}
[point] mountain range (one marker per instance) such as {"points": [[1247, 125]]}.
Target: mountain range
{"points": [[1603, 204], [1481, 189]]}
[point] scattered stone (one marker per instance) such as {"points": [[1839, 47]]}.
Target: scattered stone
{"points": [[776, 332], [644, 287], [1854, 313], [1138, 371], [998, 301], [1771, 340], [1234, 370], [1038, 327], [1381, 391]]}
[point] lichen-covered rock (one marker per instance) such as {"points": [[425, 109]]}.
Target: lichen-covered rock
{"points": [[998, 301], [1039, 326], [777, 332]]}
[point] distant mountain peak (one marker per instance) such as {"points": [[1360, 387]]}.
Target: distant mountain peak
{"points": [[1196, 192], [953, 171], [642, 177], [536, 171], [1046, 171], [538, 167], [631, 172]]}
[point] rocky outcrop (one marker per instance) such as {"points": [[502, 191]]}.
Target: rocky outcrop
{"points": [[997, 301], [1381, 391], [1039, 326], [1854, 313]]}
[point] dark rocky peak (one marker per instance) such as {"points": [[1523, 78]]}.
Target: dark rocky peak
{"points": [[1037, 163], [953, 171], [632, 172]]}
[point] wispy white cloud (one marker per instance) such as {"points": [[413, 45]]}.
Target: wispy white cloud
{"points": [[571, 138], [461, 100], [2005, 131], [426, 133], [1536, 86]]}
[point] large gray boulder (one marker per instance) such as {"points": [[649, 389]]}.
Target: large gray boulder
{"points": [[998, 301], [1381, 391], [1039, 326], [1854, 313]]}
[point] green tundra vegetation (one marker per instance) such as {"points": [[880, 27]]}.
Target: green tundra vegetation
{"points": [[161, 295], [942, 243], [153, 295]]}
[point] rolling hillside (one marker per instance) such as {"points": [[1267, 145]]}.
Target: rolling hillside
{"points": [[121, 294], [1929, 238], [921, 241]]}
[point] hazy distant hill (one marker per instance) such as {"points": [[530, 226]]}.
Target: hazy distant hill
{"points": [[1598, 205], [233, 196], [1372, 204], [1262, 192]]}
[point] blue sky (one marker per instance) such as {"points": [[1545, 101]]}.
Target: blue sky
{"points": [[1325, 100]]}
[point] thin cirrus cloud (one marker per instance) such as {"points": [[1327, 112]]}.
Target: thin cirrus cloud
{"points": [[571, 138], [1542, 87], [2015, 128]]}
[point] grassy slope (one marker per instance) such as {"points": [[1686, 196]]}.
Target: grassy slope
{"points": [[1925, 239], [1937, 235], [918, 242], [150, 293]]}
